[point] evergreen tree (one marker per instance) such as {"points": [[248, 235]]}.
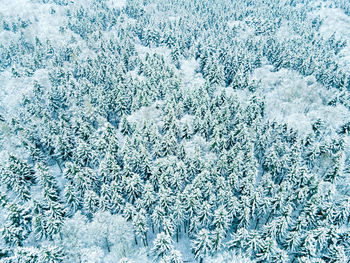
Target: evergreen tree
{"points": [[17, 226], [174, 257], [162, 245], [140, 226], [18, 176], [133, 187], [217, 239], [202, 245], [91, 201], [157, 217], [178, 215], [221, 218]]}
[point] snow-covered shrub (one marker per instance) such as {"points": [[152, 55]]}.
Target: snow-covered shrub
{"points": [[105, 234]]}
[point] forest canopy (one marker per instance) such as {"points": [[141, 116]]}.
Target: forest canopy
{"points": [[174, 131]]}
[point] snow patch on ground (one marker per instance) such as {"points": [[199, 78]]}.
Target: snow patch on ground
{"points": [[198, 145], [334, 21], [183, 246], [150, 114], [228, 257], [190, 78]]}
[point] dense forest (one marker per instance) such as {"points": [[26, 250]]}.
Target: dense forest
{"points": [[174, 131]]}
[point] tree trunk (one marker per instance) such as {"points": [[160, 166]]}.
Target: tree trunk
{"points": [[146, 241], [59, 166], [282, 177], [268, 218], [257, 222], [107, 244], [177, 234]]}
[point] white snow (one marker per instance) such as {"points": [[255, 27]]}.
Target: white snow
{"points": [[298, 100], [242, 29], [117, 4], [44, 22], [335, 21], [150, 114], [290, 97], [190, 78], [162, 51]]}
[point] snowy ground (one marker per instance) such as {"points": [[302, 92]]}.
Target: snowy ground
{"points": [[190, 78]]}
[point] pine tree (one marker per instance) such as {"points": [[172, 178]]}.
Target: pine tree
{"points": [[191, 200], [177, 181], [17, 226], [117, 201], [157, 217], [221, 218], [85, 155], [125, 127], [254, 242], [109, 170], [168, 144], [54, 216], [217, 239], [337, 253], [44, 178], [133, 187], [129, 211], [105, 198], [168, 226], [140, 226], [202, 245], [268, 250], [18, 176], [175, 256], [175, 54], [107, 141], [336, 170], [51, 254], [91, 201], [63, 147], [39, 226], [165, 198], [308, 245], [178, 215], [25, 254], [162, 245], [148, 196]]}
